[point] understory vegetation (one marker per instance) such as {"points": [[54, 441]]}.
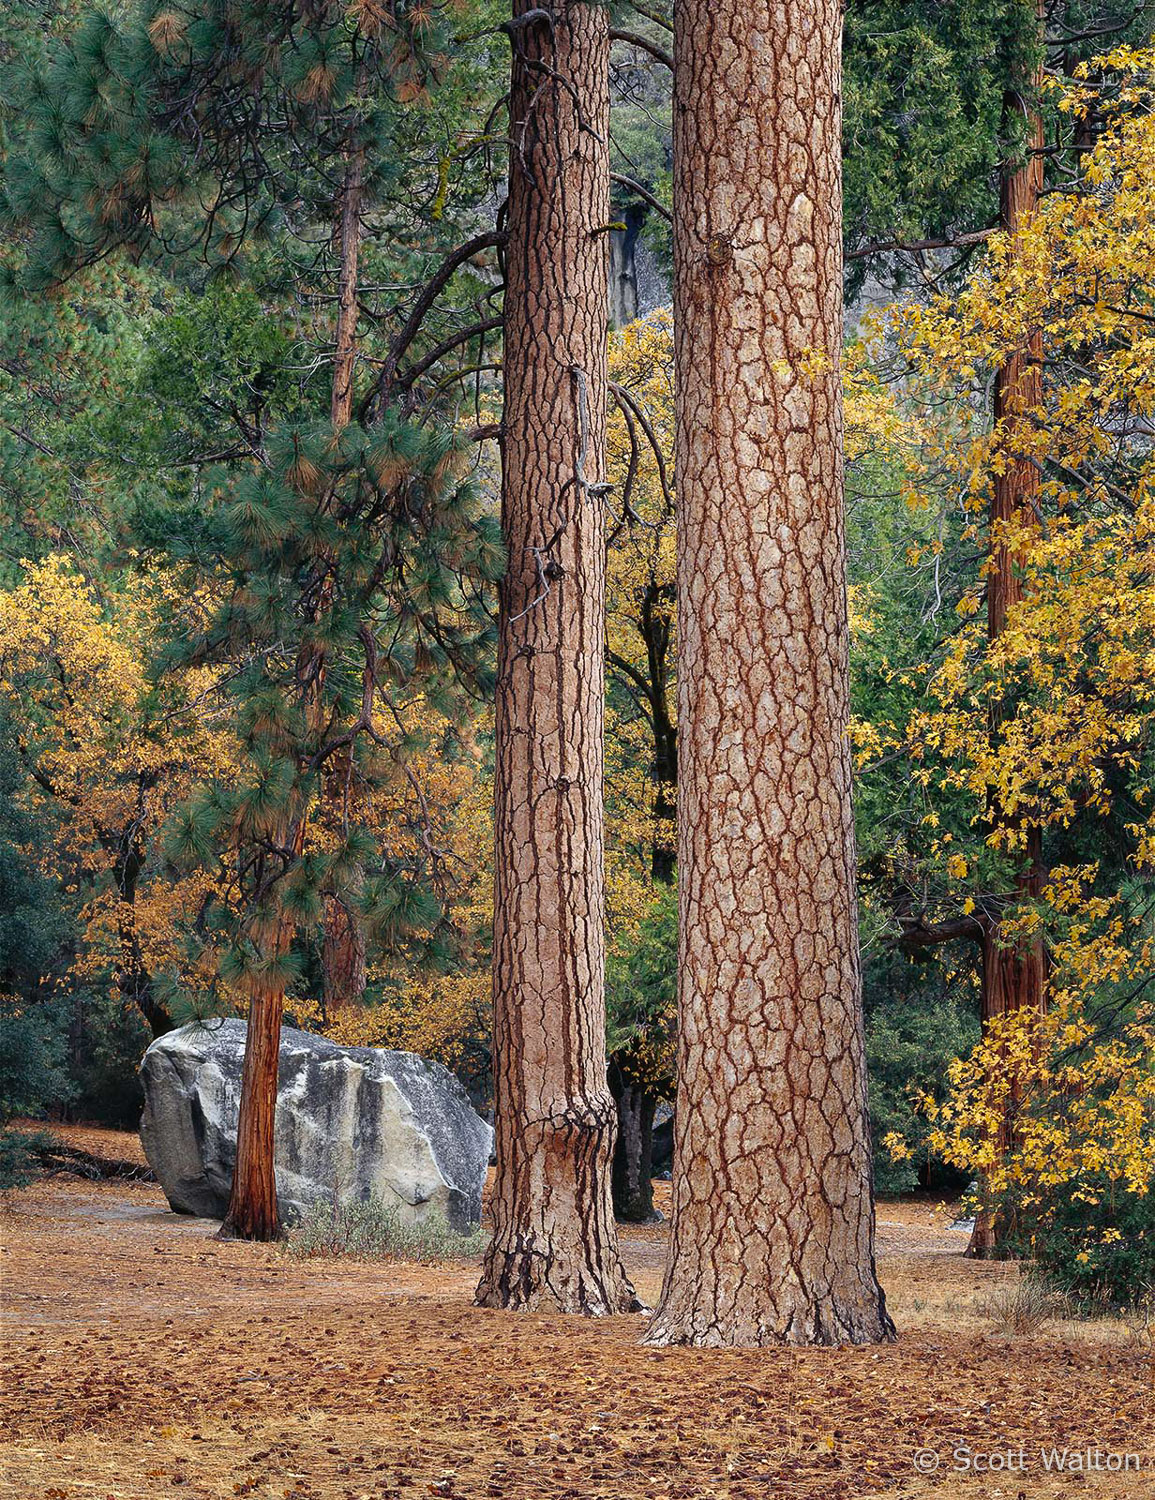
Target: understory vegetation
{"points": [[376, 1230]]}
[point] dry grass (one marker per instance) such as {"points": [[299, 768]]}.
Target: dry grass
{"points": [[1024, 1306]]}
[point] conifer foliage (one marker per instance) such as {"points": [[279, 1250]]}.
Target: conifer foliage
{"points": [[207, 125], [355, 564], [340, 568]]}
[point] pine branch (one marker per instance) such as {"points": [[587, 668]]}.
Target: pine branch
{"points": [[633, 39], [428, 296]]}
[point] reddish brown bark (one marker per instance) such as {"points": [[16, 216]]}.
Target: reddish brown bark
{"points": [[252, 1212], [773, 1232], [1014, 974], [554, 1241], [252, 1209]]}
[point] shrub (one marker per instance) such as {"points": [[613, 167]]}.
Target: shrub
{"points": [[32, 1058], [20, 1156], [375, 1230], [1024, 1305], [1097, 1243]]}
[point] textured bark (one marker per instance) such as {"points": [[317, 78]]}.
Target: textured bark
{"points": [[554, 1241], [343, 948], [252, 1212], [773, 1233], [1014, 975], [343, 953]]}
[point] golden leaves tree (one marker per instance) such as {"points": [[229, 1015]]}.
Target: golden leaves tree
{"points": [[1041, 715]]}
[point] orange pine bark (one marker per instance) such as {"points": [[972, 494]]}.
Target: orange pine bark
{"points": [[1014, 974], [252, 1212], [773, 1232], [554, 1241]]}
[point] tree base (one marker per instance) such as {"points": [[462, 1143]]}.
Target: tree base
{"points": [[826, 1325], [532, 1280], [639, 1216], [263, 1233]]}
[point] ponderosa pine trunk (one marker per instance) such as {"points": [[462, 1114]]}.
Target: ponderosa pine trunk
{"points": [[1014, 974], [252, 1211], [773, 1230], [554, 1241]]}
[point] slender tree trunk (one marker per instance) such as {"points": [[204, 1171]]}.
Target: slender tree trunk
{"points": [[554, 1240], [133, 977], [252, 1212], [343, 947], [633, 1153], [1014, 974], [657, 606], [348, 251], [773, 1232]]}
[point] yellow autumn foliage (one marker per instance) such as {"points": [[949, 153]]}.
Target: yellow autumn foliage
{"points": [[1051, 724]]}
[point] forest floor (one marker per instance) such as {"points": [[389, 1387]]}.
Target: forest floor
{"points": [[144, 1359]]}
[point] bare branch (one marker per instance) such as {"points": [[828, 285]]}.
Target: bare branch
{"points": [[633, 39], [642, 192], [960, 242], [428, 296]]}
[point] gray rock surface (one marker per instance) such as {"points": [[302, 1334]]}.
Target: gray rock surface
{"points": [[351, 1121]]}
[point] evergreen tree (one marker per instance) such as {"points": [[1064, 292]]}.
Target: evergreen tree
{"points": [[340, 561], [773, 1231]]}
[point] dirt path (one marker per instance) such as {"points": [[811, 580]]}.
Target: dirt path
{"points": [[143, 1359]]}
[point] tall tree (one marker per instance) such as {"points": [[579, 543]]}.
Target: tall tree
{"points": [[773, 1233], [358, 547], [554, 1240], [343, 948], [1014, 972]]}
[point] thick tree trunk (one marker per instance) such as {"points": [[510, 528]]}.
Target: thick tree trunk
{"points": [[1014, 974], [554, 1241], [633, 1153], [343, 947], [773, 1233], [252, 1212]]}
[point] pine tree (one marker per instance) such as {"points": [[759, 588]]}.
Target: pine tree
{"points": [[773, 1230], [554, 1240], [354, 567], [347, 557]]}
